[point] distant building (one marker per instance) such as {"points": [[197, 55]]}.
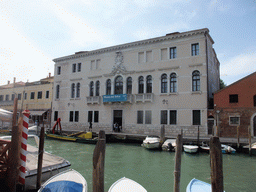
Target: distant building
{"points": [[235, 105], [141, 85], [34, 96]]}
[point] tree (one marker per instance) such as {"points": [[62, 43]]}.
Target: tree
{"points": [[222, 84]]}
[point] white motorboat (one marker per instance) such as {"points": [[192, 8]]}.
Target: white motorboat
{"points": [[227, 149], [190, 148], [205, 147], [126, 185], [151, 142], [69, 180], [169, 145], [196, 185]]}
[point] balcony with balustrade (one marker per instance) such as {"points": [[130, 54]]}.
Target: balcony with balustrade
{"points": [[93, 100], [144, 97]]}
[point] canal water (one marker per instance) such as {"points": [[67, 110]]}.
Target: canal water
{"points": [[154, 169]]}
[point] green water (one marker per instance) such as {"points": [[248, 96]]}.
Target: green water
{"points": [[154, 169]]}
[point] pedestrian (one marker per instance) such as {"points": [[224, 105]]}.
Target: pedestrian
{"points": [[90, 126]]}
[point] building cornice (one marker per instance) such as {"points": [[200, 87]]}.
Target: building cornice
{"points": [[133, 44]]}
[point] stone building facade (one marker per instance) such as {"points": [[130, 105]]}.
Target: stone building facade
{"points": [[139, 85], [235, 106]]}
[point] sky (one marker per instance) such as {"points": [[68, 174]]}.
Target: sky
{"points": [[34, 32]]}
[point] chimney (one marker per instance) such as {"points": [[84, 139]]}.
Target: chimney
{"points": [[8, 82], [14, 79]]}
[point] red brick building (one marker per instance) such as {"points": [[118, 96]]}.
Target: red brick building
{"points": [[236, 105]]}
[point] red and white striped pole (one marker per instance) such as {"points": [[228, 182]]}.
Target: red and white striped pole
{"points": [[23, 151]]}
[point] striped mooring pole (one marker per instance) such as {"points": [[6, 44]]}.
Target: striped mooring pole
{"points": [[23, 151]]}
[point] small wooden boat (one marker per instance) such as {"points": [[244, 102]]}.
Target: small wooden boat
{"points": [[196, 185], [205, 147], [227, 149], [169, 145], [190, 148], [125, 184], [69, 180], [151, 142]]}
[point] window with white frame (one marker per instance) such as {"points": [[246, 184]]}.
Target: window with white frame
{"points": [[119, 85], [58, 70], [163, 117], [173, 117], [1, 97], [173, 83], [78, 90], [32, 95], [141, 84], [93, 116], [91, 88], [173, 52], [149, 84], [108, 87], [47, 94], [39, 95], [6, 97], [163, 83], [74, 68], [73, 87], [79, 65], [234, 120], [57, 91], [13, 96], [196, 117], [196, 81], [195, 49], [139, 117], [129, 85], [19, 96], [97, 88]]}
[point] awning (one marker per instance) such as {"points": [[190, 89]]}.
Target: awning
{"points": [[5, 115], [38, 113]]}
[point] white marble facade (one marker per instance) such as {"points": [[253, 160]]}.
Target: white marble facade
{"points": [[165, 80]]}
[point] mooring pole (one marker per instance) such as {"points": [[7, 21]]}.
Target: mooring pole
{"points": [[98, 163], [216, 165], [238, 139], [198, 134], [250, 140], [177, 163], [40, 159], [162, 134]]}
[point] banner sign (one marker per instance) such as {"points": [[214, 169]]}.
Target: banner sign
{"points": [[114, 98]]}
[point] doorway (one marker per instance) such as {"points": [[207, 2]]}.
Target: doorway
{"points": [[210, 126], [118, 118], [254, 126]]}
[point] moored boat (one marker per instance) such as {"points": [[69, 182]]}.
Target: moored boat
{"points": [[190, 148], [125, 184], [205, 147], [69, 180], [151, 142], [227, 149], [196, 185], [169, 145]]}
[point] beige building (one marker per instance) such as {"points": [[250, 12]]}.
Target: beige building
{"points": [[34, 96], [139, 85]]}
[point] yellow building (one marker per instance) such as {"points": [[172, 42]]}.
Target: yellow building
{"points": [[34, 96]]}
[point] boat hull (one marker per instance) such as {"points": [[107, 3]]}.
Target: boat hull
{"points": [[198, 186], [190, 148], [155, 145], [125, 184], [74, 139]]}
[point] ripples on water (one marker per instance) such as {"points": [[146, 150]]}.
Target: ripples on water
{"points": [[154, 169]]}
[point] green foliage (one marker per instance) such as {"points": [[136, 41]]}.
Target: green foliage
{"points": [[222, 84]]}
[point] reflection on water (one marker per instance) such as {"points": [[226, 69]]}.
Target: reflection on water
{"points": [[154, 169]]}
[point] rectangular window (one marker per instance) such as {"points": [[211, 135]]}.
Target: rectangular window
{"points": [[1, 97], [148, 117], [55, 115], [164, 117], [13, 96], [139, 117], [25, 96], [96, 116], [195, 49], [233, 98], [149, 56], [196, 117], [19, 96], [234, 121], [71, 116], [141, 57], [76, 116], [173, 117], [58, 70], [32, 95], [173, 52], [74, 68], [39, 94], [6, 97], [97, 66], [89, 116], [92, 64], [47, 94], [164, 54], [78, 67]]}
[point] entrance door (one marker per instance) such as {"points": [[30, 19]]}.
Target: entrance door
{"points": [[254, 126], [210, 126], [118, 117]]}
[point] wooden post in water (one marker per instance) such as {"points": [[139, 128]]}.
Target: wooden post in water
{"points": [[217, 131], [238, 137], [198, 134], [162, 134], [250, 140], [14, 156], [98, 163], [216, 165], [40, 159], [177, 163]]}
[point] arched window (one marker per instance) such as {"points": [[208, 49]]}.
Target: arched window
{"points": [[77, 90], [141, 84], [108, 87], [73, 90], [164, 83], [91, 88], [97, 88], [196, 81], [129, 85], [149, 84], [119, 85], [57, 91], [173, 83]]}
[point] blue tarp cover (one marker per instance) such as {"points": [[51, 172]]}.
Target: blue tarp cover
{"points": [[63, 186]]}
